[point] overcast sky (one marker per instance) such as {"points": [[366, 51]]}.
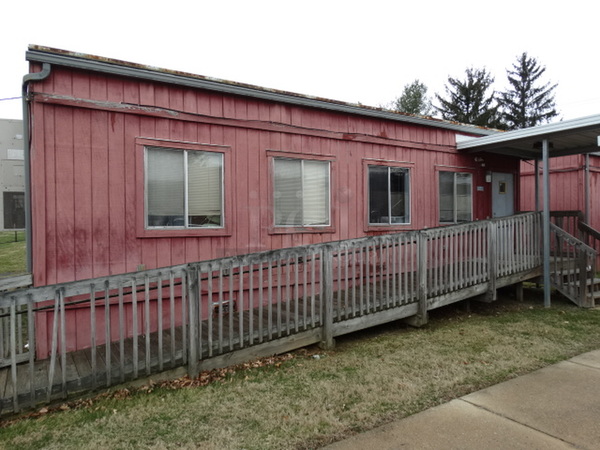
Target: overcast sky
{"points": [[354, 51]]}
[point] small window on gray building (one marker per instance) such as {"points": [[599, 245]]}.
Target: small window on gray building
{"points": [[14, 210]]}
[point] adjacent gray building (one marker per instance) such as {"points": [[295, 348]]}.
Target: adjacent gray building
{"points": [[12, 175]]}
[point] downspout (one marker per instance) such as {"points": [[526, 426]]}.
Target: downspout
{"points": [[587, 189], [29, 78]]}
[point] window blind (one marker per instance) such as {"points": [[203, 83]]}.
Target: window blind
{"points": [[301, 192], [165, 184], [204, 188]]}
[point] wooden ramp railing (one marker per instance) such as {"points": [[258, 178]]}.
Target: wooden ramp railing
{"points": [[575, 248], [59, 340]]}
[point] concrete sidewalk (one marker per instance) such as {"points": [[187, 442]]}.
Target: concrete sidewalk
{"points": [[557, 407]]}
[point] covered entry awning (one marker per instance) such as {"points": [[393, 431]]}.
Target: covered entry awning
{"points": [[569, 137]]}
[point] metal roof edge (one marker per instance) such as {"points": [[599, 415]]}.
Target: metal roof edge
{"points": [[121, 68], [540, 131]]}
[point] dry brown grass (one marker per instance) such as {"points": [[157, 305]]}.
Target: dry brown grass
{"points": [[317, 397]]}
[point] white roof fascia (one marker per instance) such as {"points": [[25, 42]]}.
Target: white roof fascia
{"points": [[540, 131]]}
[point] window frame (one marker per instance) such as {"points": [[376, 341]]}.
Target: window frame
{"points": [[455, 172], [272, 155], [143, 230], [410, 167]]}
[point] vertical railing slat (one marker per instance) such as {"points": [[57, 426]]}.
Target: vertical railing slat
{"points": [[93, 334], [198, 308], [288, 297], [147, 361], [393, 271], [185, 293], [159, 324], [373, 277], [54, 344], [107, 335], [63, 345], [121, 334], [241, 305], [211, 310], [399, 255], [368, 278], [220, 310], [251, 303], [260, 281], [387, 273], [172, 314], [270, 299], [4, 333], [19, 331], [193, 280], [296, 293], [305, 296], [231, 308], [338, 304], [134, 314], [361, 277], [13, 354], [32, 343], [279, 299], [327, 296], [353, 262]]}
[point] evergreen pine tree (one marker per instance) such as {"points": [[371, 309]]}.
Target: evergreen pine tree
{"points": [[414, 100], [468, 101], [527, 103]]}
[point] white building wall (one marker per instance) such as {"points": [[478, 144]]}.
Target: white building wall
{"points": [[12, 171]]}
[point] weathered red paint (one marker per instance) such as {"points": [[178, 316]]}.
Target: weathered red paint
{"points": [[88, 180], [567, 186], [88, 131]]}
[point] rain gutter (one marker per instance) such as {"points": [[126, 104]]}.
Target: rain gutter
{"points": [[119, 68], [27, 79]]}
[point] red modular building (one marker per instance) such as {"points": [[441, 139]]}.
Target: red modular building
{"points": [[135, 168]]}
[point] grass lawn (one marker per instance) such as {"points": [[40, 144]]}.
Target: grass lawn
{"points": [[12, 253], [312, 397]]}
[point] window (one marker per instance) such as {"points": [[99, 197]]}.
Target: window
{"points": [[184, 188], [456, 197], [301, 192], [388, 195], [14, 210]]}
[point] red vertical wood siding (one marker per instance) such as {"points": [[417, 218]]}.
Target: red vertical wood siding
{"points": [[86, 180], [567, 186]]}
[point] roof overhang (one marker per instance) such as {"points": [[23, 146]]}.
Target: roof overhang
{"points": [[139, 71], [564, 138]]}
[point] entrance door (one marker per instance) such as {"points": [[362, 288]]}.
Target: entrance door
{"points": [[503, 197]]}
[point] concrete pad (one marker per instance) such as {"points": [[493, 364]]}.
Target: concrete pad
{"points": [[591, 359], [454, 425], [561, 400]]}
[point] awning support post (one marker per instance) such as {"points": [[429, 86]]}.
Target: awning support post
{"points": [[546, 223], [537, 184]]}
